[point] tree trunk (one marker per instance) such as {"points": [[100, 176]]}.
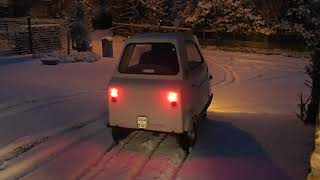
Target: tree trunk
{"points": [[313, 107]]}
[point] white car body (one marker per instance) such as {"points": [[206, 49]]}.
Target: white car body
{"points": [[143, 98]]}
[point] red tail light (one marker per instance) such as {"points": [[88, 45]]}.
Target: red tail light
{"points": [[173, 98], [114, 94]]}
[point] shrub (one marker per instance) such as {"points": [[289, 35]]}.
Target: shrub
{"points": [[78, 25], [302, 18], [228, 16]]}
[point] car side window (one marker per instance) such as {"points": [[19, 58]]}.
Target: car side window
{"points": [[193, 55]]}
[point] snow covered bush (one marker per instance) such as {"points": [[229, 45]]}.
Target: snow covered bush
{"points": [[74, 56], [243, 17], [127, 11], [303, 18], [158, 11], [87, 56], [78, 25], [187, 10], [203, 15], [272, 10], [238, 16]]}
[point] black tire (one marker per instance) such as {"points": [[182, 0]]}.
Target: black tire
{"points": [[188, 139], [119, 133], [204, 115]]}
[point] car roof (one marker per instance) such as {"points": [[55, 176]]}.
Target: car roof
{"points": [[154, 37]]}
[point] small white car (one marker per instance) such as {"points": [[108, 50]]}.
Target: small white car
{"points": [[161, 83]]}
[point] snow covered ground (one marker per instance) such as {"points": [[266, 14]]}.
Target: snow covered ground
{"points": [[52, 124]]}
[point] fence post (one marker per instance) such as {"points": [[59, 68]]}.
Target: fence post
{"points": [[68, 41], [30, 35]]}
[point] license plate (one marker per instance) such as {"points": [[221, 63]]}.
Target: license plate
{"points": [[142, 122]]}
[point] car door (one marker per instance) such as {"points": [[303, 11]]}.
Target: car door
{"points": [[198, 77]]}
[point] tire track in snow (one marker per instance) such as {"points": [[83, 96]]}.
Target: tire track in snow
{"points": [[75, 160], [24, 162], [142, 155], [126, 160], [151, 146], [98, 166], [165, 162], [24, 144], [13, 104], [223, 79], [229, 76], [7, 109]]}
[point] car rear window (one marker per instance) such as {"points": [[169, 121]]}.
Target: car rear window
{"points": [[150, 58]]}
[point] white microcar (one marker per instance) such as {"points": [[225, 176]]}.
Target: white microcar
{"points": [[162, 83]]}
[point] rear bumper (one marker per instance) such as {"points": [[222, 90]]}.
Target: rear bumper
{"points": [[167, 129], [135, 129], [163, 119], [164, 128]]}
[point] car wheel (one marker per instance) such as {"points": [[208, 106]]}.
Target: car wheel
{"points": [[204, 115], [119, 133], [188, 139]]}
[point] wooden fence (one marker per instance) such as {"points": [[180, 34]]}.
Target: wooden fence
{"points": [[27, 36]]}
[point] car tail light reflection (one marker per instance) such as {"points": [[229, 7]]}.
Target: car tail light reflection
{"points": [[114, 94], [173, 98]]}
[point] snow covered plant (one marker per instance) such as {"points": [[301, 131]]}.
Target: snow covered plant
{"points": [[228, 16], [78, 25], [158, 11], [303, 18], [243, 17]]}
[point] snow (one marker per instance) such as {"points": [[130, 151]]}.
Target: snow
{"points": [[33, 159], [251, 131], [60, 95], [165, 162], [315, 161], [3, 164], [63, 57], [128, 162], [76, 160], [25, 143], [278, 80]]}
